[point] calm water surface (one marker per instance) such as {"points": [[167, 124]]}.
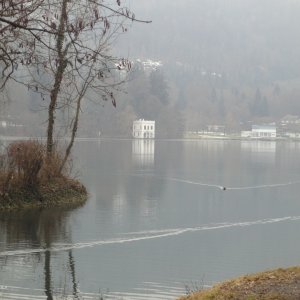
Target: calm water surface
{"points": [[158, 220]]}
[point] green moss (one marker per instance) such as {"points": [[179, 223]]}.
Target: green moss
{"points": [[62, 192]]}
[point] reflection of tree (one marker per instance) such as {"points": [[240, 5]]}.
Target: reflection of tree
{"points": [[73, 274], [47, 269], [39, 229]]}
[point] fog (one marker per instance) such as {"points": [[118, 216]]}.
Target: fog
{"points": [[206, 200], [226, 62], [235, 37]]}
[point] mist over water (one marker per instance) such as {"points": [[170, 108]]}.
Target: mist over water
{"points": [[171, 214], [158, 220]]}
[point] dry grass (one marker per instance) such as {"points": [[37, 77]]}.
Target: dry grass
{"points": [[280, 284], [25, 160], [29, 178]]}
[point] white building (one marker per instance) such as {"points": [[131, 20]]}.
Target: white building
{"points": [[246, 134], [260, 132], [292, 135], [263, 131], [290, 119], [143, 129]]}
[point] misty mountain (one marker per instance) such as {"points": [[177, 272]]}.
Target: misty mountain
{"points": [[250, 41], [226, 62], [200, 62]]}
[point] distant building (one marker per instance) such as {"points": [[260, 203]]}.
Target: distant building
{"points": [[263, 131], [260, 132], [290, 119], [143, 129], [150, 65], [292, 135], [215, 129], [11, 126], [246, 134], [290, 126]]}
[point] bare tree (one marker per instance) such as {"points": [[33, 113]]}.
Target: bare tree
{"points": [[62, 50], [16, 17]]}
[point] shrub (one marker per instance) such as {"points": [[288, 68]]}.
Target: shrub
{"points": [[51, 166], [25, 160], [24, 164]]}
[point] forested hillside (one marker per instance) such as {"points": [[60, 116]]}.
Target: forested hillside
{"points": [[223, 62], [226, 62]]}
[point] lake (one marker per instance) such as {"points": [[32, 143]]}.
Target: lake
{"points": [[163, 217]]}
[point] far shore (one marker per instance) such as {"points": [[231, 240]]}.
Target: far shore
{"points": [[186, 138]]}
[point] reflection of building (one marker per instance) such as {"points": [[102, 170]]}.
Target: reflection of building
{"points": [[143, 151], [259, 146], [260, 132], [260, 151], [143, 129]]}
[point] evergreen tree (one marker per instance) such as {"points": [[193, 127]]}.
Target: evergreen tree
{"points": [[159, 86]]}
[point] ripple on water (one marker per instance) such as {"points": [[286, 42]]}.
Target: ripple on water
{"points": [[146, 291]]}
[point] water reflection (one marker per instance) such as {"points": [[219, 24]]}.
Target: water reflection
{"points": [[141, 220], [143, 152], [264, 151], [34, 230], [47, 272]]}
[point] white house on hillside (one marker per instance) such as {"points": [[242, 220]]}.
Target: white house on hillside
{"points": [[143, 129]]}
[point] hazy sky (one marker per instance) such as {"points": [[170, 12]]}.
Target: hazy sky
{"points": [[205, 30]]}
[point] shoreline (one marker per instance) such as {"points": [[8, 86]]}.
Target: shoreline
{"points": [[64, 193], [186, 138], [279, 284]]}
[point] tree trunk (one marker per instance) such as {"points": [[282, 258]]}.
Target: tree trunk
{"points": [[52, 106], [73, 135], [62, 64]]}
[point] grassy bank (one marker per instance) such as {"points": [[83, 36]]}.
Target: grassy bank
{"points": [[280, 284], [62, 192]]}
